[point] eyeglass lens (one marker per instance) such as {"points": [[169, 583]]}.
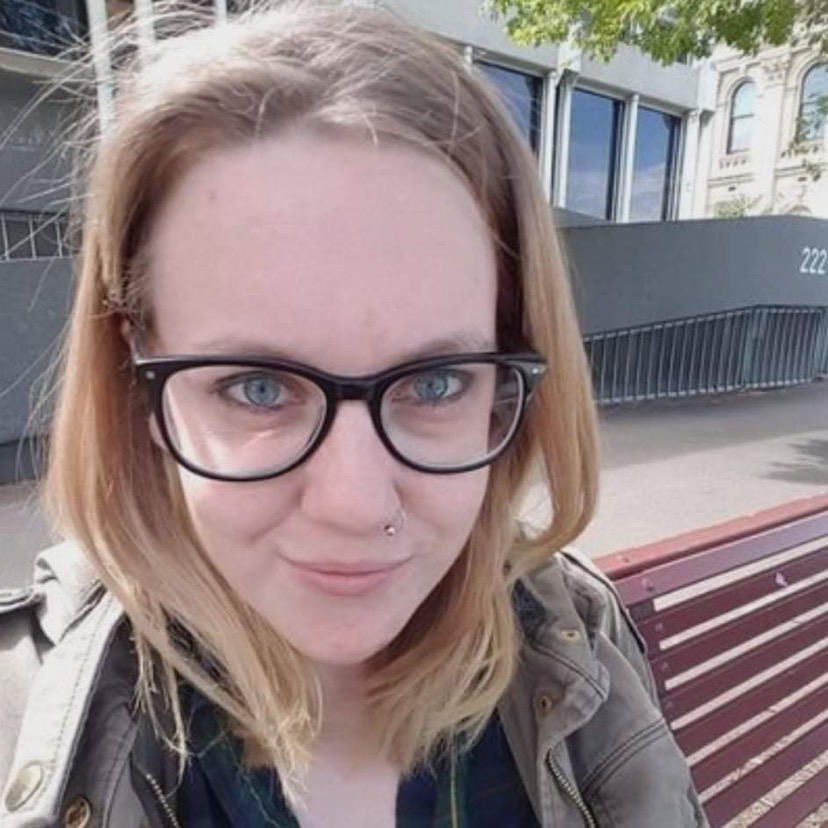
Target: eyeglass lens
{"points": [[238, 421]]}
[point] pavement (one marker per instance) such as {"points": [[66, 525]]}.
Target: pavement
{"points": [[668, 467], [672, 466]]}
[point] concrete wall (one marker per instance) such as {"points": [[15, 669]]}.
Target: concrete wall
{"points": [[465, 22], [635, 274], [630, 71], [34, 305]]}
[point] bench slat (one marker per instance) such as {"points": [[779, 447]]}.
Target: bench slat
{"points": [[797, 805], [713, 683], [620, 565], [689, 570], [757, 740], [714, 642], [698, 609], [706, 729], [753, 785]]}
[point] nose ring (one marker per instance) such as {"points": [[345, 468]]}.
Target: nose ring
{"points": [[395, 524]]}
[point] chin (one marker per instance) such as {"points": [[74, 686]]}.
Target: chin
{"points": [[343, 648]]}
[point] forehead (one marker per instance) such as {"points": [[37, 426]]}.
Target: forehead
{"points": [[331, 250]]}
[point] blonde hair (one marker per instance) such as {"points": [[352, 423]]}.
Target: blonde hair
{"points": [[367, 72]]}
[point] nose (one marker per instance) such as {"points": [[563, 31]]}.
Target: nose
{"points": [[350, 482]]}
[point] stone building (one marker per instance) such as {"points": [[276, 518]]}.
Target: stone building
{"points": [[767, 142]]}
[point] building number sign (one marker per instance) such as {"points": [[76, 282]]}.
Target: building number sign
{"points": [[814, 261]]}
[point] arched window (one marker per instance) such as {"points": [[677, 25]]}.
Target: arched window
{"points": [[813, 105], [742, 110]]}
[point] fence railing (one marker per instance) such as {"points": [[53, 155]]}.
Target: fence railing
{"points": [[28, 235], [760, 347]]}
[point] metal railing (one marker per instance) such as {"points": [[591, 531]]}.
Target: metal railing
{"points": [[760, 347], [28, 235]]}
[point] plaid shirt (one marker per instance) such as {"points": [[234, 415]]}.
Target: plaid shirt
{"points": [[219, 792]]}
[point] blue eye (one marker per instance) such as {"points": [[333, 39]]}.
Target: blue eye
{"points": [[437, 386], [260, 390]]}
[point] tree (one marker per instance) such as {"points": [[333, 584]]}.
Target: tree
{"points": [[666, 30], [672, 30]]}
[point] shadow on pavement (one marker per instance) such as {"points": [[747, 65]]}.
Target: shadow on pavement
{"points": [[811, 466]]}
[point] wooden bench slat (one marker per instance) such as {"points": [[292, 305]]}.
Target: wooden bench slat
{"points": [[689, 570], [700, 608], [797, 805], [706, 729], [735, 754], [734, 799], [620, 565], [713, 683], [727, 636]]}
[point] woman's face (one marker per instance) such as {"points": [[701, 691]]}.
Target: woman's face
{"points": [[350, 258]]}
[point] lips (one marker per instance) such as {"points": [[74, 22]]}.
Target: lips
{"points": [[339, 579]]}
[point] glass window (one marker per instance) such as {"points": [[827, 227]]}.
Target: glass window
{"points": [[46, 240], [656, 146], [814, 106], [593, 153], [742, 109], [45, 27], [522, 94], [18, 237]]}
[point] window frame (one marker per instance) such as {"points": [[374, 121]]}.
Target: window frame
{"points": [[618, 139], [497, 62], [822, 129], [732, 117]]}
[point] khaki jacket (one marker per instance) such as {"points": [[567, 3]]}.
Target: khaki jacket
{"points": [[589, 741]]}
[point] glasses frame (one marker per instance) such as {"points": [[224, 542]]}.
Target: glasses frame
{"points": [[154, 372]]}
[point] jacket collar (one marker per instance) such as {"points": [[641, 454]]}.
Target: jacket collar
{"points": [[560, 684], [68, 585]]}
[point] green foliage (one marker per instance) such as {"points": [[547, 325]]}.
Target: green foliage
{"points": [[736, 207], [666, 30]]}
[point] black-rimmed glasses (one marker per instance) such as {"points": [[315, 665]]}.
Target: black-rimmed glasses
{"points": [[239, 418]]}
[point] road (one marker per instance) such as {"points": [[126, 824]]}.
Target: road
{"points": [[667, 467]]}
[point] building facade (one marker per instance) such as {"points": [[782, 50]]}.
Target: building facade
{"points": [[767, 142], [622, 149]]}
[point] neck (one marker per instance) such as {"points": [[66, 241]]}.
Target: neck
{"points": [[344, 712]]}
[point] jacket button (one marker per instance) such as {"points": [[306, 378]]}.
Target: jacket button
{"points": [[544, 702], [24, 786], [78, 814], [571, 636]]}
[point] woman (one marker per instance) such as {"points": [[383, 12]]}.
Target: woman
{"points": [[322, 340]]}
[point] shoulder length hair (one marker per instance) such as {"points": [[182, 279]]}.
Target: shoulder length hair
{"points": [[197, 90]]}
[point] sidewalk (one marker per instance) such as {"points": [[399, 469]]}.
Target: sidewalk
{"points": [[668, 468], [680, 465]]}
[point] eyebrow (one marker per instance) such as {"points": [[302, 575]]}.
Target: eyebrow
{"points": [[458, 343]]}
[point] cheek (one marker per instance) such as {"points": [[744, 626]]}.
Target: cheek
{"points": [[447, 505], [229, 518]]}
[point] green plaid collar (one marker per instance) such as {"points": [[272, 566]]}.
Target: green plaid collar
{"points": [[481, 788]]}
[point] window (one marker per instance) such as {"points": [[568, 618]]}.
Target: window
{"points": [[656, 148], [593, 153], [47, 237], [813, 107], [45, 27], [521, 93], [18, 236], [33, 236], [742, 108]]}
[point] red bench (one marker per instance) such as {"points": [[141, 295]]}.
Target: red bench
{"points": [[736, 619]]}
